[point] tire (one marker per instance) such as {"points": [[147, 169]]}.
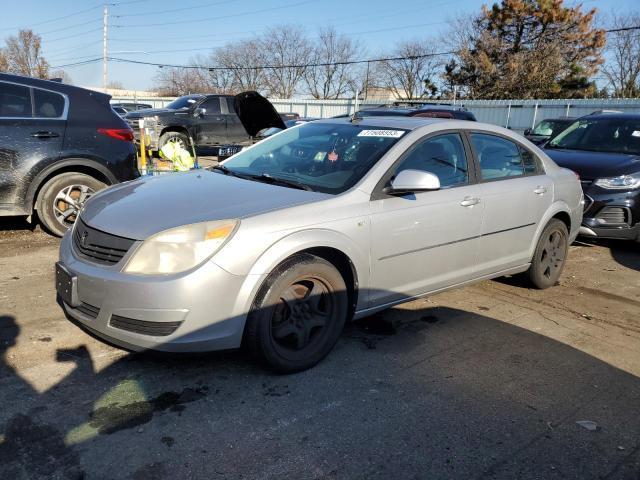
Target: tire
{"points": [[174, 137], [288, 328], [55, 210], [550, 255]]}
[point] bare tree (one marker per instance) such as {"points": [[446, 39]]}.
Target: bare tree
{"points": [[287, 49], [410, 77], [172, 82], [622, 64], [242, 58], [23, 55], [62, 75], [336, 78]]}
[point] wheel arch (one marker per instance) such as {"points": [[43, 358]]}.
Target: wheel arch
{"points": [[558, 210], [71, 165], [173, 128], [334, 247]]}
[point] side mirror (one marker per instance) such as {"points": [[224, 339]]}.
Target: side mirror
{"points": [[199, 112], [527, 131], [408, 181]]}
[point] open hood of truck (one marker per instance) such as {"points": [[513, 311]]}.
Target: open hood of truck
{"points": [[256, 112]]}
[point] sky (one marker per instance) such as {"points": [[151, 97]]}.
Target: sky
{"points": [[173, 32]]}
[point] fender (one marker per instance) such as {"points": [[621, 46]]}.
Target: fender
{"points": [[294, 243], [39, 178], [555, 208]]}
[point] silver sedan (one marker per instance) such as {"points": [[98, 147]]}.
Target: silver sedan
{"points": [[322, 223]]}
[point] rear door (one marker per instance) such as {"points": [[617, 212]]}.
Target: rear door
{"points": [[427, 240], [236, 132], [516, 193], [211, 126], [32, 126]]}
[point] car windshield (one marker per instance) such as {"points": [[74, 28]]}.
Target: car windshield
{"points": [[547, 127], [324, 157], [183, 102], [615, 135]]}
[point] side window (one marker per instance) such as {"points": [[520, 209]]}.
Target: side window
{"points": [[529, 161], [48, 104], [498, 157], [212, 106], [15, 101], [443, 156]]}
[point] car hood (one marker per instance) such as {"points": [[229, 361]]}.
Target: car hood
{"points": [[150, 112], [143, 207], [591, 165], [256, 112]]}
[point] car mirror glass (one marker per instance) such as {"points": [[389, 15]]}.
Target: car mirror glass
{"points": [[199, 112]]}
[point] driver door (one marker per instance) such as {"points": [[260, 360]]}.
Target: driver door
{"points": [[425, 241], [211, 125]]}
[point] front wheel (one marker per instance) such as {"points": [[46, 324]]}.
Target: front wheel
{"points": [[298, 315], [60, 200], [550, 255]]}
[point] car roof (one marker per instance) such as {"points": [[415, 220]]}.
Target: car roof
{"points": [[48, 85], [619, 116], [390, 121]]}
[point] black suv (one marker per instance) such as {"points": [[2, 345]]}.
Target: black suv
{"points": [[60, 145], [604, 149], [430, 110], [207, 120]]}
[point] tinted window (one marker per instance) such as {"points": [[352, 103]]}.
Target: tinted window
{"points": [[184, 102], [617, 135], [435, 114], [498, 156], [528, 161], [15, 101], [212, 105], [48, 104], [443, 156]]}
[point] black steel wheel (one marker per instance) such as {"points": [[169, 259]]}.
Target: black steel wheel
{"points": [[298, 314], [550, 255]]}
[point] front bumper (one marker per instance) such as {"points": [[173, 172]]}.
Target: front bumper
{"points": [[611, 214], [202, 310]]}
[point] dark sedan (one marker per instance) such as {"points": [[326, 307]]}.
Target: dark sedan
{"points": [[604, 149]]}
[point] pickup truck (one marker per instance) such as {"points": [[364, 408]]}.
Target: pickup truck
{"points": [[207, 121]]}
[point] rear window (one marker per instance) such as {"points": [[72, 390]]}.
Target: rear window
{"points": [[15, 101], [48, 104]]}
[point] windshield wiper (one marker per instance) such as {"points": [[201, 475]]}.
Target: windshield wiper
{"points": [[282, 181], [228, 171]]}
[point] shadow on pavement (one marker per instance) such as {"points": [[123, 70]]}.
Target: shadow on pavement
{"points": [[426, 393]]}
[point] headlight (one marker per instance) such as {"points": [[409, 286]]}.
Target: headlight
{"points": [[181, 248], [623, 182]]}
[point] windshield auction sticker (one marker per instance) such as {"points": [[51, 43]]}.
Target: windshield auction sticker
{"points": [[381, 133]]}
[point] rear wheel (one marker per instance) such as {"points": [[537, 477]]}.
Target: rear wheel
{"points": [[550, 255], [298, 314], [60, 200]]}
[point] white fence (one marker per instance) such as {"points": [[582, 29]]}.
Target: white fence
{"points": [[516, 114]]}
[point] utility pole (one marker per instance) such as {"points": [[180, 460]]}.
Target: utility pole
{"points": [[105, 17]]}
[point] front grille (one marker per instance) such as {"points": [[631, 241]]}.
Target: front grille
{"points": [[98, 246], [154, 329], [614, 215], [88, 310]]}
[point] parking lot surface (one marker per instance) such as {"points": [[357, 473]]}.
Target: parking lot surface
{"points": [[491, 381]]}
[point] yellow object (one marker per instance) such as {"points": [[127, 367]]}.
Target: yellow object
{"points": [[181, 158]]}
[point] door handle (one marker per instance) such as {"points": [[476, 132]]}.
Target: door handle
{"points": [[540, 190], [45, 134], [470, 201]]}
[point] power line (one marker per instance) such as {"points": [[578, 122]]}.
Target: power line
{"points": [[74, 35], [53, 19], [200, 20], [262, 67], [181, 9], [61, 29]]}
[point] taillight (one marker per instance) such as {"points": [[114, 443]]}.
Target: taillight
{"points": [[125, 134]]}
